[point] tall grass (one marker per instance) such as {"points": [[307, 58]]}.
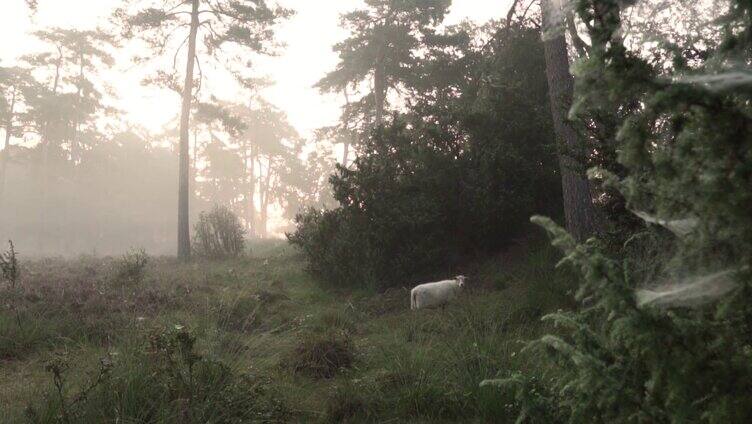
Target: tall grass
{"points": [[273, 345]]}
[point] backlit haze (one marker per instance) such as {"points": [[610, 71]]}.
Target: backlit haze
{"points": [[309, 37]]}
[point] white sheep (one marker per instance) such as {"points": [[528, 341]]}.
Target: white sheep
{"points": [[435, 294]]}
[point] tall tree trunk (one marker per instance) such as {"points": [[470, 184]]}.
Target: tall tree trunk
{"points": [[6, 152], [346, 147], [264, 200], [346, 153], [251, 201], [184, 235], [379, 88], [46, 174], [79, 102], [194, 168], [579, 212], [58, 65]]}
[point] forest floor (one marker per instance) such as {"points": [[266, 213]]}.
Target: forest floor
{"points": [[83, 341]]}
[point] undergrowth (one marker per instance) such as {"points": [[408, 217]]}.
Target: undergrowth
{"points": [[266, 343]]}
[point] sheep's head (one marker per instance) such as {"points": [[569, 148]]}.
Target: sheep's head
{"points": [[460, 280]]}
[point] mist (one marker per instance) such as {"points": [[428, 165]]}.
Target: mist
{"points": [[393, 211], [110, 182]]}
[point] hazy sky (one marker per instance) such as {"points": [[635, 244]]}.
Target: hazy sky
{"points": [[309, 37]]}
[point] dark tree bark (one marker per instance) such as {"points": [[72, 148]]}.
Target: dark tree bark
{"points": [[346, 147], [184, 235], [379, 88], [579, 212]]}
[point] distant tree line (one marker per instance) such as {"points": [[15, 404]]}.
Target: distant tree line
{"points": [[75, 178]]}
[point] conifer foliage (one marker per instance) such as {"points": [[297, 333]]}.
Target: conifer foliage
{"points": [[674, 346]]}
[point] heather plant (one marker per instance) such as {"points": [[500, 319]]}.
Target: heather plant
{"points": [[9, 265], [671, 344], [219, 234], [167, 380], [66, 406], [132, 265]]}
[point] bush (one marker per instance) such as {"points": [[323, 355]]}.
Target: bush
{"points": [[332, 248], [448, 180], [667, 341], [218, 234], [345, 405], [323, 356], [132, 265], [618, 362], [9, 265]]}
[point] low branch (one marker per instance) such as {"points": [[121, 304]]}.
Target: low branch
{"points": [[577, 41], [177, 51]]}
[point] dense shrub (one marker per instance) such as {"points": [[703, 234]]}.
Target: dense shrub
{"points": [[670, 344], [218, 234], [457, 175], [132, 265], [9, 265], [323, 356]]}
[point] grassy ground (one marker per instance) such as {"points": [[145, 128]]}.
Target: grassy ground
{"points": [[256, 340]]}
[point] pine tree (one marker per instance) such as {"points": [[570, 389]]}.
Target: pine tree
{"points": [[18, 89], [669, 344], [579, 213], [380, 50], [216, 24]]}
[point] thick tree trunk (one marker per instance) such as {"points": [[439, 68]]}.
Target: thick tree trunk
{"points": [[579, 212], [194, 166], [184, 235]]}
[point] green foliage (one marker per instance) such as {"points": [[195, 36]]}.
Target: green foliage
{"points": [[219, 234], [166, 381], [323, 356], [620, 363], [70, 97], [67, 406], [383, 38], [251, 314], [457, 175], [19, 89], [9, 265], [685, 150], [132, 266]]}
